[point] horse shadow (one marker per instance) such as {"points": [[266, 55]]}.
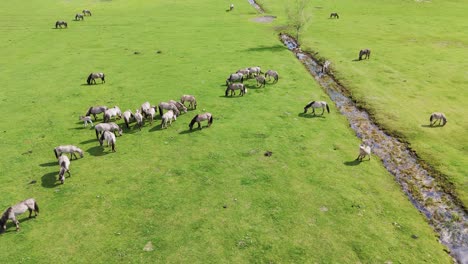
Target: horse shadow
{"points": [[97, 151], [188, 131], [357, 59], [433, 126], [49, 164], [307, 115], [156, 128], [88, 141], [352, 163], [271, 48], [49, 180]]}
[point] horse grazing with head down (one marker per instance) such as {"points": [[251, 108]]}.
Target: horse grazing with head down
{"points": [[235, 77], [95, 75], [440, 117], [201, 117], [364, 53], [109, 137], [86, 12], [364, 150], [271, 73], [317, 104], [261, 80], [128, 117], [112, 127], [64, 164], [334, 15], [86, 120], [61, 23], [94, 110], [168, 106], [139, 119], [112, 112], [181, 107], [168, 117], [17, 209], [79, 17], [68, 149], [189, 98], [236, 86]]}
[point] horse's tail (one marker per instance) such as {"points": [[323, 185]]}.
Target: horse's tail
{"points": [[160, 110], [242, 79], [126, 122], [89, 78], [328, 108], [103, 78], [113, 146], [36, 207], [210, 121], [97, 132], [56, 153], [368, 54]]}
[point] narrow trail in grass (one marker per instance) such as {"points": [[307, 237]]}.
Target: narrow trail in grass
{"points": [[441, 208]]}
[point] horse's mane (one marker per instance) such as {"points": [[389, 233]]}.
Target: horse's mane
{"points": [[89, 110], [193, 120], [4, 217], [309, 104], [89, 78]]}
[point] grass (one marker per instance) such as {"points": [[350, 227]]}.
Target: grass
{"points": [[417, 67], [203, 196]]}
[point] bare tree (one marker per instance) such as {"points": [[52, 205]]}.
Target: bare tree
{"points": [[298, 16]]}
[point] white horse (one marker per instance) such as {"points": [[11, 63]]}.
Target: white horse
{"points": [[189, 98], [112, 127], [317, 104], [86, 120], [326, 67], [168, 117], [112, 112], [436, 116], [109, 137], [364, 150], [64, 163], [128, 117], [139, 118], [17, 209], [68, 149]]}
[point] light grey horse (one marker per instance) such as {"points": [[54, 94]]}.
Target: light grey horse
{"points": [[236, 86], [112, 112], [61, 23], [364, 150], [94, 110], [168, 106], [261, 80], [317, 104], [271, 73], [86, 120], [179, 105], [68, 149], [12, 212], [128, 117], [235, 77], [112, 127], [189, 98], [201, 117], [95, 75], [139, 118], [168, 117], [255, 71], [109, 137], [437, 116], [86, 12], [79, 17], [64, 164]]}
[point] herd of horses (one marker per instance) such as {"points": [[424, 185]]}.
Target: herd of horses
{"points": [[107, 131]]}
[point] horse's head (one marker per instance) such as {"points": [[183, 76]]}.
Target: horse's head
{"points": [[120, 131]]}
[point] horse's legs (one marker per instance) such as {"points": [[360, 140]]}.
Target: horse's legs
{"points": [[16, 223], [30, 212], [199, 125], [323, 110]]}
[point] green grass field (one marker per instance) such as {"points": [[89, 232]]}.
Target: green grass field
{"points": [[417, 67], [206, 196]]}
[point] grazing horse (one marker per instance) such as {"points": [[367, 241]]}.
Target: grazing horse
{"points": [[236, 86], [64, 164], [86, 12], [86, 120], [168, 117], [261, 80], [94, 110], [79, 17], [144, 108], [272, 73], [128, 117], [235, 77], [168, 106], [180, 106], [94, 75], [112, 127], [112, 112], [68, 149], [245, 72], [150, 113], [110, 139], [365, 53], [17, 209], [334, 15], [138, 118], [317, 104], [255, 71], [61, 23], [189, 98], [231, 7], [201, 117], [436, 116], [364, 150], [326, 67]]}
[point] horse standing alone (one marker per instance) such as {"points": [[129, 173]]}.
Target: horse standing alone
{"points": [[79, 17], [334, 15], [436, 116], [94, 75], [201, 117], [61, 23], [86, 12], [364, 150], [365, 53], [317, 104], [17, 209]]}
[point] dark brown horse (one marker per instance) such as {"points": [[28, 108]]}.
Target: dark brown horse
{"points": [[365, 53], [334, 15]]}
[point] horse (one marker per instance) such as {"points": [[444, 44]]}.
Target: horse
{"points": [[201, 117], [138, 118], [179, 106], [64, 164], [61, 23], [364, 150], [151, 112], [86, 12], [17, 209], [436, 116], [255, 71], [365, 53], [68, 149], [317, 104], [128, 117], [334, 15], [189, 98], [236, 86], [145, 107], [272, 73], [261, 80], [110, 139], [231, 7], [94, 75], [168, 106], [168, 117], [112, 112], [326, 67], [245, 72], [86, 120], [94, 110], [235, 77], [112, 127], [79, 17]]}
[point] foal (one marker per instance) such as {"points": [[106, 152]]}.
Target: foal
{"points": [[261, 80], [79, 17], [86, 120], [17, 209], [64, 163], [436, 116]]}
